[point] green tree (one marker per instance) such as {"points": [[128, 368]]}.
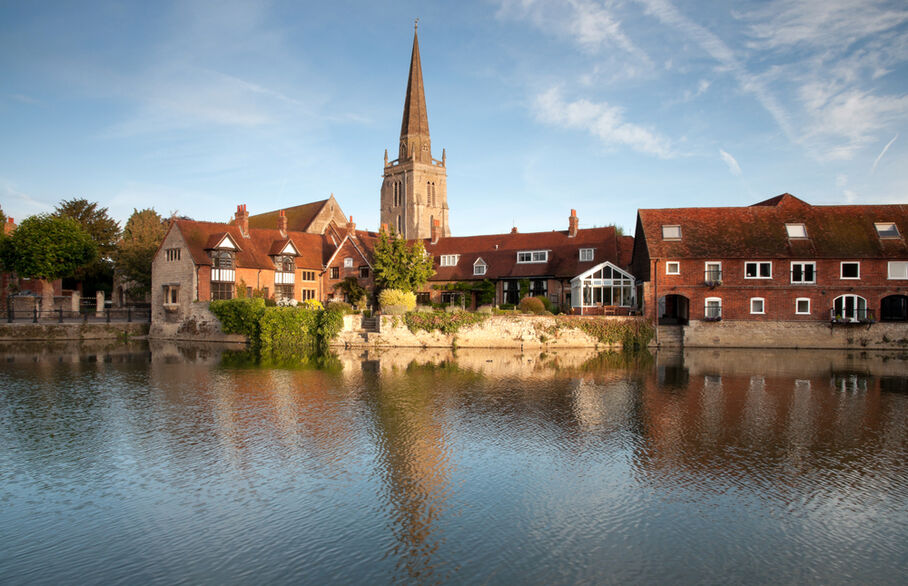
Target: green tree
{"points": [[351, 288], [104, 230], [143, 234], [399, 265], [47, 248]]}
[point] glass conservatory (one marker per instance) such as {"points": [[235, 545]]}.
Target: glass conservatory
{"points": [[604, 285]]}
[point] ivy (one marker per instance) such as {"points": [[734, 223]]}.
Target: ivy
{"points": [[446, 323], [631, 333]]}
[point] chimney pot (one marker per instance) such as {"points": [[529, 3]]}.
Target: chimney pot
{"points": [[241, 220], [514, 230], [573, 224], [282, 222]]}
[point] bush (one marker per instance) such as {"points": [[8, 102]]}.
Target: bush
{"points": [[394, 298], [532, 305], [484, 309], [453, 309], [506, 306], [447, 323], [239, 316], [546, 303], [340, 306], [425, 308], [313, 304]]}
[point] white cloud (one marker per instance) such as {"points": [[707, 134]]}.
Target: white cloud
{"points": [[602, 120], [18, 204], [729, 160], [882, 152]]}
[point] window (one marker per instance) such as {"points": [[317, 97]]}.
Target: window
{"points": [[363, 272], [449, 260], [804, 272], [171, 294], [423, 299], [757, 305], [335, 272], [400, 225], [713, 272], [285, 263], [898, 269], [307, 275], [850, 270], [479, 267], [673, 268], [796, 230], [671, 232], [586, 254], [348, 262], [758, 270], [222, 271], [887, 229], [283, 291], [221, 290], [173, 254], [221, 259], [451, 297], [850, 308], [713, 308], [306, 294], [533, 256], [802, 306]]}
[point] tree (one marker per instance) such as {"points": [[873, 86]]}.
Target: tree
{"points": [[143, 234], [47, 248], [104, 230], [351, 289], [399, 265]]}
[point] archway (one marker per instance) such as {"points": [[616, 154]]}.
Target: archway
{"points": [[894, 308], [674, 309]]}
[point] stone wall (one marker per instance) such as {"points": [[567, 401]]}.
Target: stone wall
{"points": [[196, 323], [16, 332], [785, 334]]}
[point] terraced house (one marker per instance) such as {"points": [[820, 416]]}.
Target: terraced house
{"points": [[778, 260]]}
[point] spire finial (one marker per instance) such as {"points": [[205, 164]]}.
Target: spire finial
{"points": [[415, 24]]}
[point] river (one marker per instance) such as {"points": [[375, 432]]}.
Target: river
{"points": [[177, 463]]}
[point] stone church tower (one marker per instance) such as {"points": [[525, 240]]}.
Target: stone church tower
{"points": [[414, 191]]}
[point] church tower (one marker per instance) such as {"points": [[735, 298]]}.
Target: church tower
{"points": [[414, 191]]}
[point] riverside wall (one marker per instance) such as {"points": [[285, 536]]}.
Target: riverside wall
{"points": [[22, 332], [785, 334], [195, 322]]}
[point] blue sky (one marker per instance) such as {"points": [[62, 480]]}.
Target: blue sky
{"points": [[543, 106]]}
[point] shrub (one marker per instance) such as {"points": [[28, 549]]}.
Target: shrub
{"points": [[506, 306], [313, 304], [531, 305], [239, 316], [340, 306], [447, 323], [394, 298], [546, 303], [453, 309]]}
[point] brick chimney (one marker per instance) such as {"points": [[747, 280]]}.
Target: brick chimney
{"points": [[514, 230], [384, 228], [242, 220], [436, 230], [9, 226], [282, 222], [573, 223], [351, 228]]}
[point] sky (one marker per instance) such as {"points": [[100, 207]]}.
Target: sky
{"points": [[194, 107]]}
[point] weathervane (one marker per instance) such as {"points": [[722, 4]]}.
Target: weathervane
{"points": [[415, 24]]}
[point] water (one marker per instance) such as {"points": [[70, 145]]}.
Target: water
{"points": [[177, 464]]}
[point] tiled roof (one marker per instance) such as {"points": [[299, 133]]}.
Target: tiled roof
{"points": [[254, 251], [499, 251], [298, 217], [758, 231]]}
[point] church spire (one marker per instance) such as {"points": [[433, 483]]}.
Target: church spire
{"points": [[414, 129]]}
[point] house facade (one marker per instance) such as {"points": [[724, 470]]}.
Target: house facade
{"points": [[778, 260]]}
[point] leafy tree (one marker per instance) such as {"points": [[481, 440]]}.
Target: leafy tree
{"points": [[47, 248], [104, 230], [399, 265], [143, 234], [351, 288]]}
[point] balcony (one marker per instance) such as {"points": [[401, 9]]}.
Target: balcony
{"points": [[851, 316], [281, 278]]}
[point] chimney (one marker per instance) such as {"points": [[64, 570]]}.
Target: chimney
{"points": [[282, 222], [9, 226], [514, 230], [242, 220], [436, 230], [573, 221], [384, 228], [351, 228]]}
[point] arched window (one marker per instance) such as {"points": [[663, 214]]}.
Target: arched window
{"points": [[400, 226], [850, 308]]}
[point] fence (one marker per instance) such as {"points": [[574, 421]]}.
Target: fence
{"points": [[60, 315]]}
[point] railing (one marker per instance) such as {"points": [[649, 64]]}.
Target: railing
{"points": [[108, 315], [713, 277], [853, 316]]}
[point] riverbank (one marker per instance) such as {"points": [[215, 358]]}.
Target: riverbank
{"points": [[21, 332]]}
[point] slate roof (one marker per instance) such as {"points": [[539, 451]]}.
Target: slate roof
{"points": [[253, 252], [758, 231], [499, 251]]}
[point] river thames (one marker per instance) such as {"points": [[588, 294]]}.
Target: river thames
{"points": [[177, 463]]}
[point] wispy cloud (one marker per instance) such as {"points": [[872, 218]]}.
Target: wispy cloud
{"points": [[602, 120], [18, 202], [882, 152], [731, 162]]}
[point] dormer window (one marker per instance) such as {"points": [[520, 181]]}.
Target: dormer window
{"points": [[796, 231], [479, 267], [586, 254], [671, 232], [887, 230], [284, 264], [529, 256], [448, 260]]}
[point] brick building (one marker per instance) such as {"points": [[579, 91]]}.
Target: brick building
{"points": [[778, 260]]}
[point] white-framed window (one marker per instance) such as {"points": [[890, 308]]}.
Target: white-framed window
{"points": [[479, 267], [850, 308], [887, 229], [672, 267], [526, 256], [671, 232], [757, 305], [804, 272], [898, 269], [758, 270], [586, 254], [796, 230], [713, 308], [713, 271], [348, 262], [850, 270], [802, 306], [448, 260]]}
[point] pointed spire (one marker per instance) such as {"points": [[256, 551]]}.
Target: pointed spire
{"points": [[414, 129]]}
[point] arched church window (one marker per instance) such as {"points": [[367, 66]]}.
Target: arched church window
{"points": [[400, 226]]}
